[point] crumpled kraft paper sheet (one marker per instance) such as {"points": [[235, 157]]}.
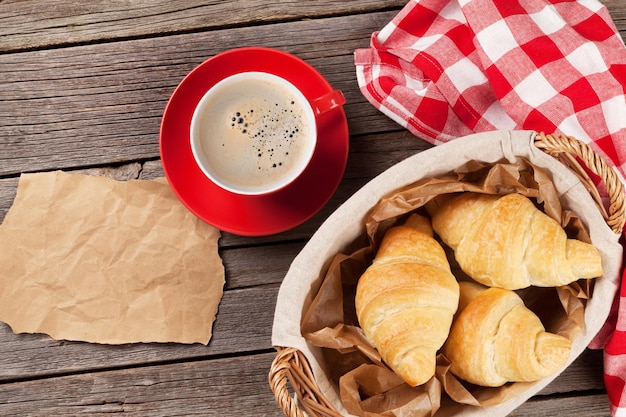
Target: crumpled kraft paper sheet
{"points": [[92, 259]]}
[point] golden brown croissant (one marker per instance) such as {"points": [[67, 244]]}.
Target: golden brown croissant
{"points": [[406, 299], [495, 339], [507, 242]]}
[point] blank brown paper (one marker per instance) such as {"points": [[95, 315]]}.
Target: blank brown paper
{"points": [[92, 259]]}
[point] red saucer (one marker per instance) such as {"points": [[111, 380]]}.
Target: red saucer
{"points": [[252, 215]]}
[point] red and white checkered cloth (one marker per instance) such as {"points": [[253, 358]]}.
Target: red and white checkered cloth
{"points": [[448, 68]]}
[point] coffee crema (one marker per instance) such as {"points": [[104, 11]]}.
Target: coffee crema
{"points": [[254, 131]]}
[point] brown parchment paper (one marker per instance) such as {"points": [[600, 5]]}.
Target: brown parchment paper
{"points": [[92, 259], [347, 368]]}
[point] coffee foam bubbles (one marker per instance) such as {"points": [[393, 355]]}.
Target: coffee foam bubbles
{"points": [[255, 133], [273, 129]]}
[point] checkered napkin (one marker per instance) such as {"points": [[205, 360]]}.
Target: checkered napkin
{"points": [[448, 68]]}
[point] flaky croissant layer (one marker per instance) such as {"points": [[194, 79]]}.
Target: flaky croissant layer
{"points": [[406, 299], [496, 339], [506, 242]]}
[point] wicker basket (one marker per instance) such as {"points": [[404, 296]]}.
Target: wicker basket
{"points": [[290, 366]]}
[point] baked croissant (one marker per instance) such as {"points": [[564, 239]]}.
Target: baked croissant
{"points": [[507, 242], [406, 299], [495, 339]]}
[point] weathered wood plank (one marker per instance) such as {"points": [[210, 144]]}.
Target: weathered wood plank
{"points": [[591, 405], [218, 387], [617, 9], [222, 387], [35, 24], [102, 104]]}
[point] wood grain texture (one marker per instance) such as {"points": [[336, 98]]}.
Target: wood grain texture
{"points": [[102, 104], [590, 405], [218, 387], [34, 24]]}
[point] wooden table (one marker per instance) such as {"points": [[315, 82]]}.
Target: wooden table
{"points": [[83, 86]]}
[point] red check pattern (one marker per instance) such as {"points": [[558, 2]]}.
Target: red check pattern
{"points": [[449, 68]]}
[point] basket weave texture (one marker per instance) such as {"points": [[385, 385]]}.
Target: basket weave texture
{"points": [[290, 367]]}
